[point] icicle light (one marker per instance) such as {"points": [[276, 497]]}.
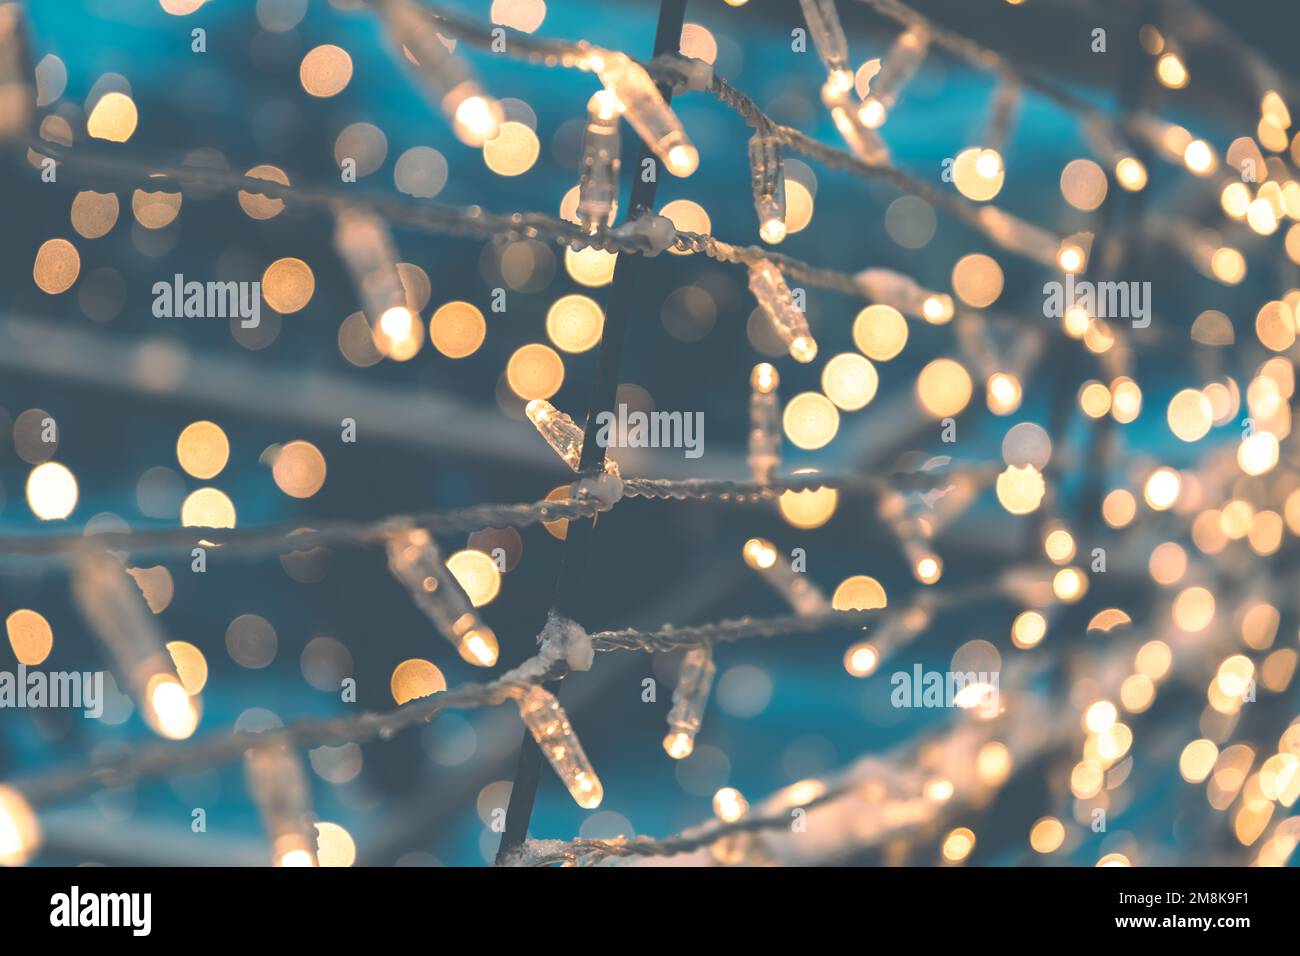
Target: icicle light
{"points": [[414, 559], [689, 699], [549, 724], [886, 287], [448, 83], [768, 175], [365, 245], [804, 596], [278, 785], [768, 286], [116, 611], [897, 68], [764, 422], [644, 108], [598, 182]]}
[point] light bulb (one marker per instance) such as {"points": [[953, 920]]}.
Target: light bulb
{"points": [[774, 297], [689, 700], [549, 724]]}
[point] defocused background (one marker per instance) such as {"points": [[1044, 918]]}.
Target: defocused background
{"points": [[437, 431]]}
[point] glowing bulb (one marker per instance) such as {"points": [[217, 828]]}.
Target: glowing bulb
{"points": [[1162, 488], [861, 659], [759, 554], [1004, 393], [1199, 157], [764, 423], [550, 727], [1070, 258], [51, 491], [1028, 629], [1170, 70], [20, 831], [414, 559], [479, 646], [729, 805], [872, 114], [683, 160], [396, 323], [477, 119], [989, 163], [803, 348], [928, 569], [689, 699], [772, 231], [173, 710], [937, 309], [764, 378], [1130, 172], [803, 596], [769, 288]]}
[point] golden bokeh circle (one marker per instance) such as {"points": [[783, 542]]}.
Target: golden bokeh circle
{"points": [[203, 449], [457, 329], [535, 371]]}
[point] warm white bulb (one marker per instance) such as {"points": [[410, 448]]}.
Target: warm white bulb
{"points": [[683, 160]]}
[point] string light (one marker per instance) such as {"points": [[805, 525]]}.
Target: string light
{"points": [[838, 91], [598, 182], [550, 727], [803, 596], [886, 287], [116, 611], [1197, 495], [278, 784], [689, 700], [414, 559], [730, 806], [764, 422], [897, 68], [644, 108], [20, 831], [827, 34], [775, 299], [1006, 103], [562, 434], [448, 83], [365, 245], [768, 174], [915, 523]]}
